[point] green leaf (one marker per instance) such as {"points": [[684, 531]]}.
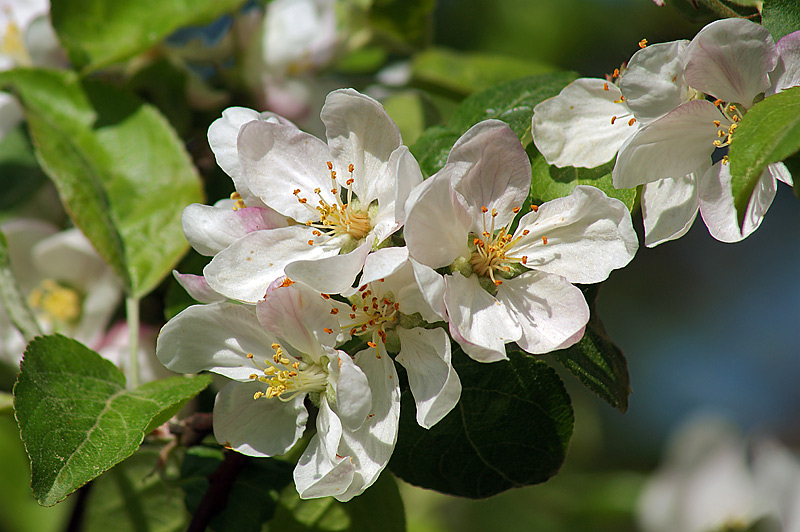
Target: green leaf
{"points": [[465, 73], [96, 33], [132, 497], [382, 495], [768, 133], [510, 102], [77, 419], [6, 403], [411, 112], [596, 360], [120, 170], [12, 298], [510, 429], [780, 17], [406, 21], [550, 182], [20, 175]]}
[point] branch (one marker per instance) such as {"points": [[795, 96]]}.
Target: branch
{"points": [[220, 483]]}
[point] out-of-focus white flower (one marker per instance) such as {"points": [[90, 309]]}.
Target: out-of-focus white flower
{"points": [[509, 286], [69, 286], [115, 346], [712, 479]]}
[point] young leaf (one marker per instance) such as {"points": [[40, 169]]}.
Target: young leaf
{"points": [[76, 417], [780, 17], [97, 33], [120, 169], [768, 133], [12, 298], [510, 102], [510, 429], [597, 361]]}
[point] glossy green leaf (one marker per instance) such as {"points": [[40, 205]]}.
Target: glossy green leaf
{"points": [[550, 182], [780, 17], [465, 73], [96, 33], [12, 299], [510, 102], [597, 361], [121, 171], [132, 497], [768, 133], [510, 429], [76, 417]]}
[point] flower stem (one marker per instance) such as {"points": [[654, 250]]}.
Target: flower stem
{"points": [[132, 313]]}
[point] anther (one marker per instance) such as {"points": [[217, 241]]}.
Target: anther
{"points": [[717, 102], [484, 210], [515, 210], [616, 73], [544, 240], [605, 86], [328, 330], [325, 296], [643, 43], [334, 311], [613, 119], [535, 208], [351, 168], [631, 121], [717, 123], [310, 242], [330, 165]]}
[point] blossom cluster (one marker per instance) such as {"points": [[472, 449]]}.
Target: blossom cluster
{"points": [[327, 246]]}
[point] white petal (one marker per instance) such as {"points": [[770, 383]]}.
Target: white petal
{"points": [[425, 353], [787, 72], [551, 311], [197, 287], [383, 263], [480, 323], [674, 145], [437, 223], [222, 136], [333, 274], [575, 129], [211, 229], [276, 160], [780, 172], [360, 133], [588, 235], [669, 207], [245, 269], [653, 82], [353, 395], [432, 287], [489, 168], [257, 427], [407, 176], [731, 60], [215, 337], [717, 207]]}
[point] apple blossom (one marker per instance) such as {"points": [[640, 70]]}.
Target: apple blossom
{"points": [[502, 284], [341, 200], [277, 354]]}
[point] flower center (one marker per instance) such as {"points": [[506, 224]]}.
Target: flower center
{"points": [[12, 44], [286, 378], [371, 315], [337, 218], [54, 303], [492, 251], [731, 116]]}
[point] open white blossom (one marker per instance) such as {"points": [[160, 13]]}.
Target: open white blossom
{"points": [[502, 284], [339, 200], [277, 354]]}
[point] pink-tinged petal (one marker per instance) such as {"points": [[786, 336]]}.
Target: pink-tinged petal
{"points": [[215, 337], [353, 395], [787, 71], [407, 176], [675, 145], [551, 311], [653, 82], [432, 287], [276, 160], [383, 263], [490, 168], [299, 316], [717, 207], [669, 207], [360, 133], [197, 287], [583, 236], [425, 353], [211, 229], [437, 222], [731, 59], [257, 427], [321, 471], [575, 128], [371, 446], [245, 269], [480, 323], [333, 274]]}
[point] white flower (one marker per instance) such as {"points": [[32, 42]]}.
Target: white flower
{"points": [[277, 354], [69, 287], [729, 60], [509, 286], [342, 199], [299, 35]]}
